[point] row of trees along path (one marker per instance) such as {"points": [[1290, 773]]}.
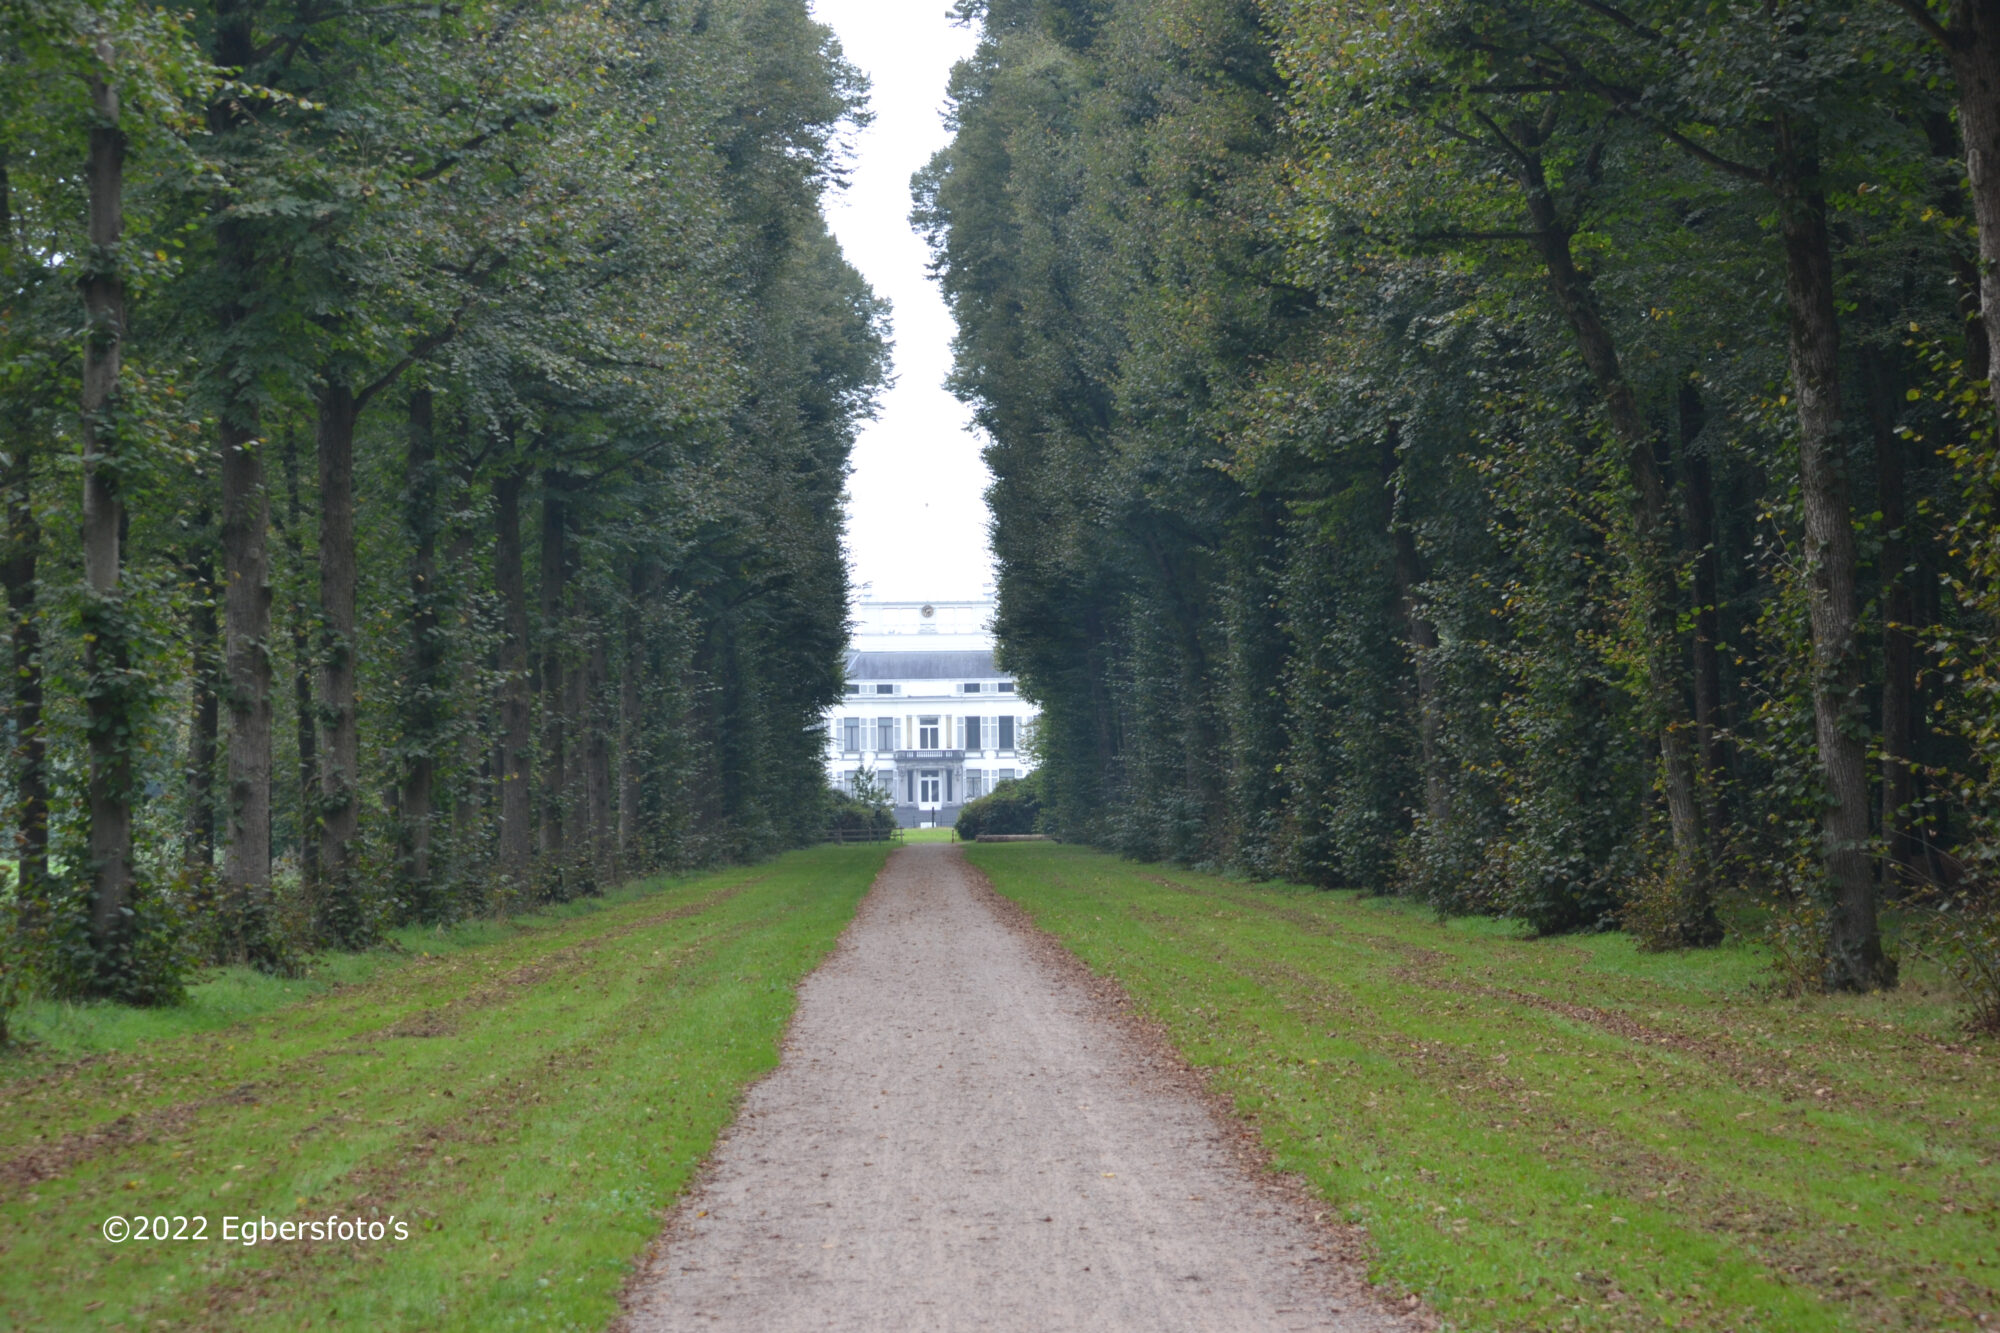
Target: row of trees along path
{"points": [[459, 402], [1535, 455]]}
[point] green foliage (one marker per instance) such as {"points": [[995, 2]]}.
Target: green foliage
{"points": [[1013, 806], [545, 295], [1397, 453], [858, 813]]}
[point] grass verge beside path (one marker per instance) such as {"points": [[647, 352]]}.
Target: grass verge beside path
{"points": [[525, 1108], [1567, 1134]]}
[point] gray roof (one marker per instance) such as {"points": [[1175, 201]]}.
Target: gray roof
{"points": [[958, 665]]}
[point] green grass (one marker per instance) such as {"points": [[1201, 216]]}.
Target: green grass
{"points": [[225, 995], [1557, 1134], [525, 1097], [930, 835]]}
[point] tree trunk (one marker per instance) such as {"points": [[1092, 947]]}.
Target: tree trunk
{"points": [[516, 698], [632, 855], [1973, 43], [305, 724], [112, 701], [1855, 960], [204, 706], [1658, 613], [246, 667], [341, 913], [425, 689], [245, 537], [1698, 503], [20, 568], [597, 763], [555, 704]]}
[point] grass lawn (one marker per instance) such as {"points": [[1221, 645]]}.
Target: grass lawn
{"points": [[1556, 1134], [523, 1098]]}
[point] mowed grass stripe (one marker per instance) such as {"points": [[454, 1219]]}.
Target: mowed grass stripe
{"points": [[1565, 1133], [529, 1107]]}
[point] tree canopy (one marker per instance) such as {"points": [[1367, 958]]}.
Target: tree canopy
{"points": [[459, 401], [1529, 456]]}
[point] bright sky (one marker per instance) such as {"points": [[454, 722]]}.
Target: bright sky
{"points": [[916, 510]]}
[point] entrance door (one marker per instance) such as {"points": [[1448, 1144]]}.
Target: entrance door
{"points": [[928, 782]]}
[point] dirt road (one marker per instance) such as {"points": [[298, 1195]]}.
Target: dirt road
{"points": [[963, 1135]]}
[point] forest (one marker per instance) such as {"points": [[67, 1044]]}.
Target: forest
{"points": [[424, 430], [1532, 456]]}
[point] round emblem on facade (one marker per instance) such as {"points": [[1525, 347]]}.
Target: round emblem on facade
{"points": [[929, 611]]}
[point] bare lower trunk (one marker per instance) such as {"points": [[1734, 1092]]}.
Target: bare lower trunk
{"points": [[1855, 958], [246, 667], [305, 724], [597, 763], [341, 914], [20, 569], [425, 688], [1651, 555], [1973, 43], [517, 820], [107, 652], [204, 706], [555, 704], [632, 858]]}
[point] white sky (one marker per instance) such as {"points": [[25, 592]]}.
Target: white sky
{"points": [[916, 510]]}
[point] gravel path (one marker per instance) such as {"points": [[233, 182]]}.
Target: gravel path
{"points": [[964, 1134]]}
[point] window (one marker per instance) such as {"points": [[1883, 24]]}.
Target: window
{"points": [[909, 784], [972, 734], [975, 784], [852, 688], [927, 734], [927, 787], [885, 733], [885, 689], [1005, 687], [970, 687], [1004, 775], [850, 734], [1006, 733]]}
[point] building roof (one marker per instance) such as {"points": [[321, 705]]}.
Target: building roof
{"points": [[966, 664]]}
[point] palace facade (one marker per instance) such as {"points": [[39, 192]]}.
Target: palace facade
{"points": [[926, 712]]}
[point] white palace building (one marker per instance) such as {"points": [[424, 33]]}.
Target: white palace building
{"points": [[926, 711]]}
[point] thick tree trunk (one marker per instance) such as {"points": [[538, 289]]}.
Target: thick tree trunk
{"points": [[1855, 958], [245, 537], [341, 913], [632, 854], [107, 654], [305, 722], [425, 689], [597, 762], [1651, 555], [555, 702], [204, 705], [1973, 43], [517, 820], [20, 568], [1698, 503], [246, 667]]}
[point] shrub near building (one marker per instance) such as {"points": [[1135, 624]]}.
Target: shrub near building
{"points": [[1014, 806]]}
